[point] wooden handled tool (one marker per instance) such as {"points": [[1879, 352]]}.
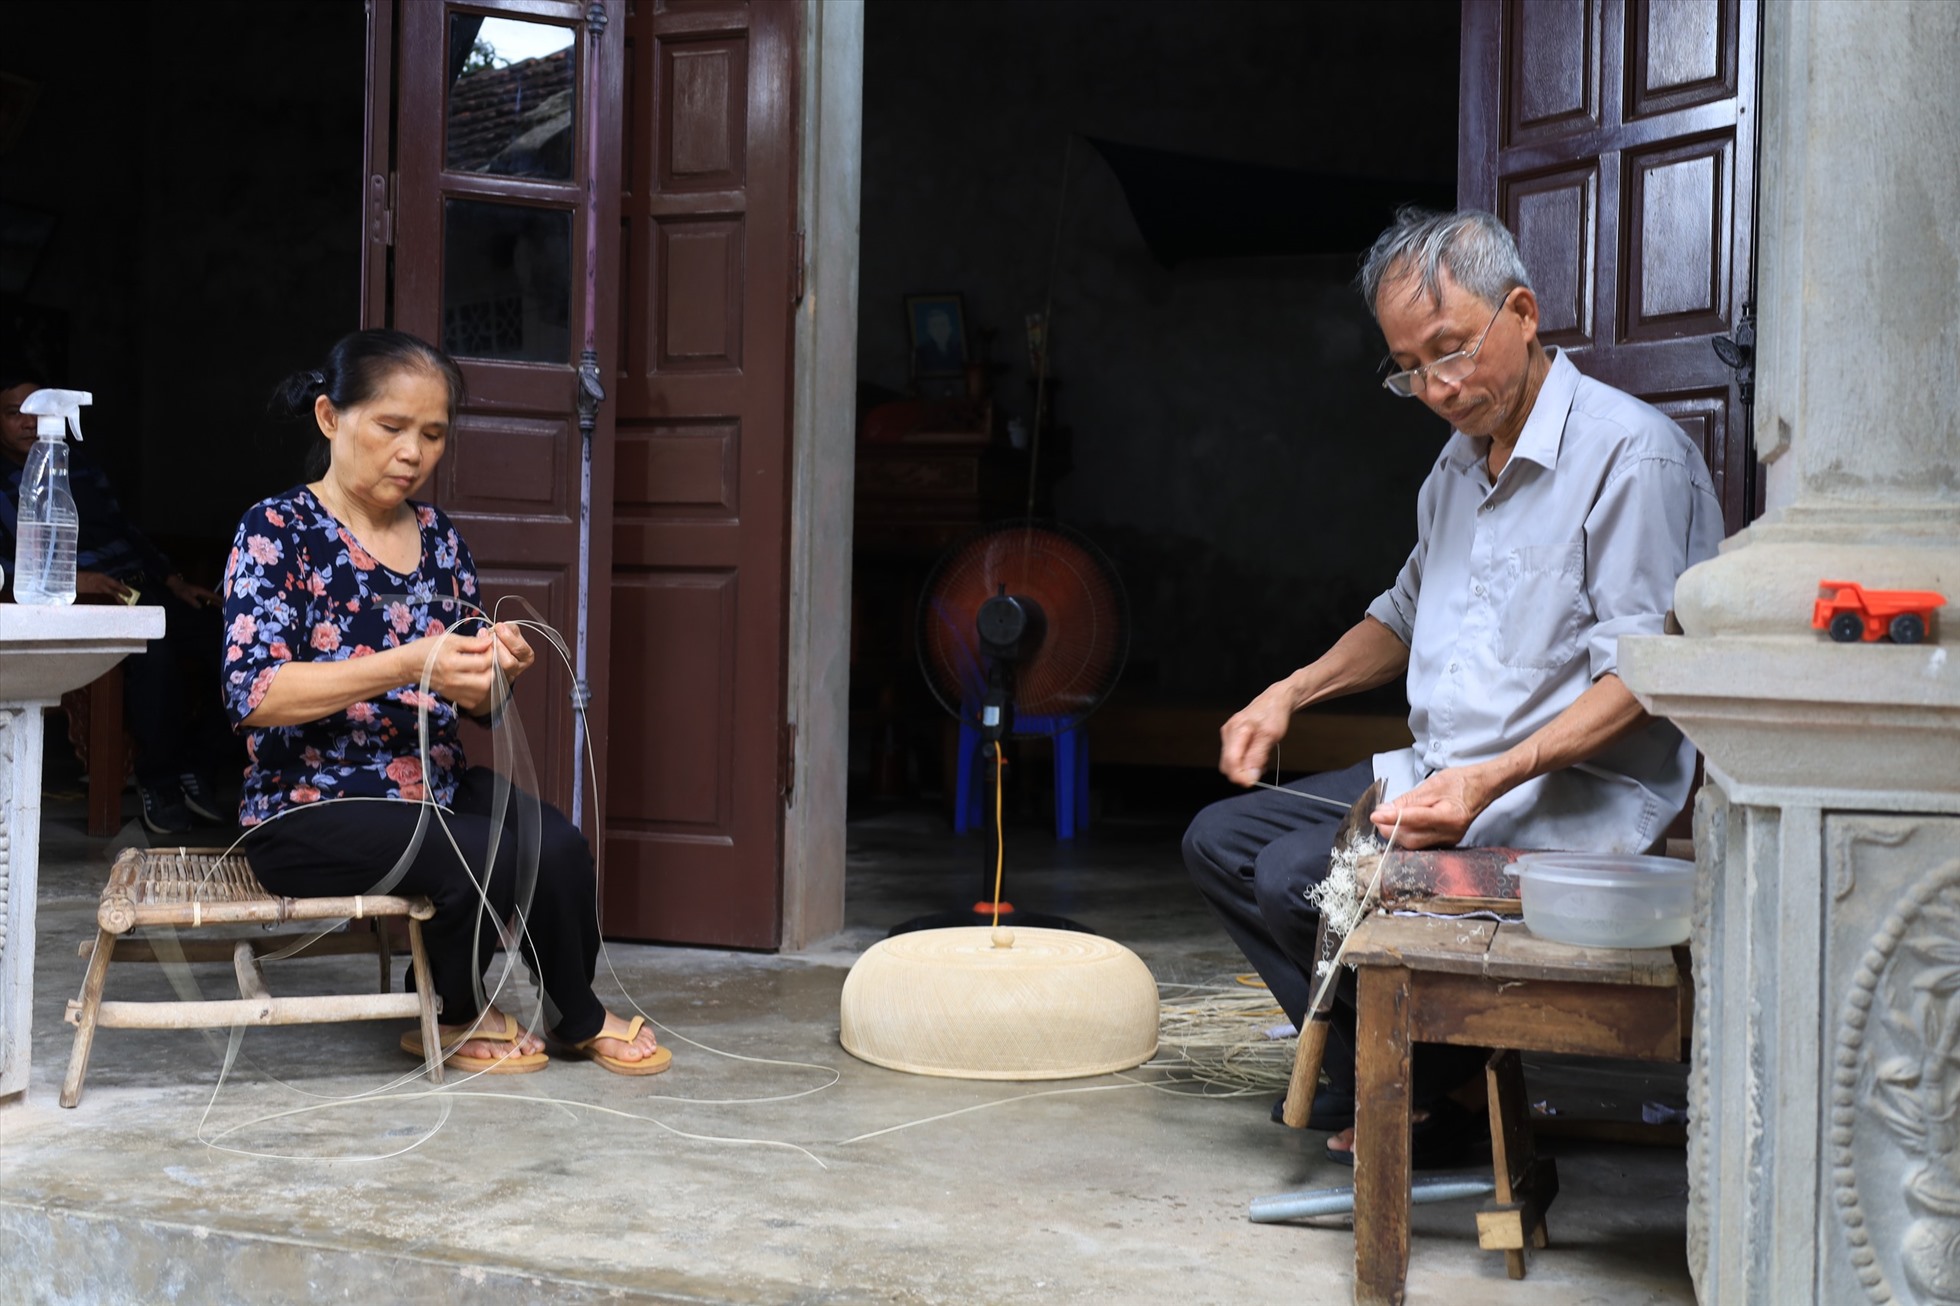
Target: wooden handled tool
{"points": [[1312, 1047]]}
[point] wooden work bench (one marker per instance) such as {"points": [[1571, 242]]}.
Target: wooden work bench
{"points": [[1483, 984]]}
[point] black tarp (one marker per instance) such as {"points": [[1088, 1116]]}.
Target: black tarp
{"points": [[1189, 206]]}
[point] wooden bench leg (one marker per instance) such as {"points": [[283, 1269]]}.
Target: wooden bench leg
{"points": [[384, 949], [83, 1012], [425, 990], [1525, 1182], [1381, 1137]]}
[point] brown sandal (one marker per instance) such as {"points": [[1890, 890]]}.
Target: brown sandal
{"points": [[653, 1065], [511, 1063]]}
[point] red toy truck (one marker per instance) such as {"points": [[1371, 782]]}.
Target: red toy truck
{"points": [[1851, 612]]}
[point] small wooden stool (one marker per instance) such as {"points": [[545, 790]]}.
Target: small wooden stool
{"points": [[1483, 984], [192, 888]]}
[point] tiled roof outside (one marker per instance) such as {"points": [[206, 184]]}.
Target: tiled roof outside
{"points": [[515, 121]]}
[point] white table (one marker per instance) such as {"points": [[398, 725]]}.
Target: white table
{"points": [[44, 653]]}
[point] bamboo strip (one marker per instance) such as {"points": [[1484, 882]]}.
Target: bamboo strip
{"points": [[258, 1011], [328, 945]]}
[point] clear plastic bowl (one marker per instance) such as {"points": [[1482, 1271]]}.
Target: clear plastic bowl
{"points": [[1606, 900]]}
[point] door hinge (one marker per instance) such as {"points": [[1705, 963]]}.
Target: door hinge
{"points": [[381, 209], [796, 272], [787, 761]]}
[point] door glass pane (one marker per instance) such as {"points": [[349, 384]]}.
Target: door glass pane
{"points": [[512, 89], [506, 281]]}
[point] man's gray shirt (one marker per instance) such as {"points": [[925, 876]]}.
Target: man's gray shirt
{"points": [[1516, 595]]}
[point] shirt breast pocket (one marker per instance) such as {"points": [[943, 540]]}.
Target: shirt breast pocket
{"points": [[1544, 615]]}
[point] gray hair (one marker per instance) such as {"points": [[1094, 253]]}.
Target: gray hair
{"points": [[1472, 244]]}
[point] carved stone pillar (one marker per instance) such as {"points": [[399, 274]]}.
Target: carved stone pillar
{"points": [[1824, 1156]]}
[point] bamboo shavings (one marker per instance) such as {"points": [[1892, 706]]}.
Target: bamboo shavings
{"points": [[1340, 898], [1217, 1034]]}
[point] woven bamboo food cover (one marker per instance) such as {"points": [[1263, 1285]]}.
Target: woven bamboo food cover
{"points": [[1055, 1005]]}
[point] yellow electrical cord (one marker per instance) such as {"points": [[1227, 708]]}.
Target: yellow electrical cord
{"points": [[1000, 846]]}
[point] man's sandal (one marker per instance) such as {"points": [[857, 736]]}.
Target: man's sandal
{"points": [[511, 1063], [649, 1065]]}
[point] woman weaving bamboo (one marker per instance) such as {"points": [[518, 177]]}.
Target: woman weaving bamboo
{"points": [[343, 598]]}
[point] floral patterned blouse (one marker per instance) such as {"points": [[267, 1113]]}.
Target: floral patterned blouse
{"points": [[300, 586]]}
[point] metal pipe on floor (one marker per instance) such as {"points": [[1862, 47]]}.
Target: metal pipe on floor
{"points": [[1340, 1201]]}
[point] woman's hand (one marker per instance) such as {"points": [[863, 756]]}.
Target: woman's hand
{"points": [[461, 668], [100, 587], [514, 653]]}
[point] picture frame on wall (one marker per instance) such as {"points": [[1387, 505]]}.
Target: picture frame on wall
{"points": [[936, 324]]}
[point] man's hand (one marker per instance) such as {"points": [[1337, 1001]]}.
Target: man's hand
{"points": [[195, 595], [1438, 812], [1245, 742], [100, 587]]}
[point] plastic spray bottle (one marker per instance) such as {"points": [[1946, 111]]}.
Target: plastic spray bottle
{"points": [[44, 562]]}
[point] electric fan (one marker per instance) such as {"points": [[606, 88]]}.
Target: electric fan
{"points": [[1023, 630]]}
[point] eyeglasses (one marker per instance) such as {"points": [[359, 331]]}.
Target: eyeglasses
{"points": [[1447, 370]]}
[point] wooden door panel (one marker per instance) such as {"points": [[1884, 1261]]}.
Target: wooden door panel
{"points": [[1677, 246], [1705, 417], [1680, 53], [516, 468], [698, 284], [1617, 139], [1553, 84], [687, 792], [703, 114], [1555, 217], [688, 468], [700, 501]]}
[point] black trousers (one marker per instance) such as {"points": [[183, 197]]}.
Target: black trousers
{"points": [[1253, 858], [346, 848]]}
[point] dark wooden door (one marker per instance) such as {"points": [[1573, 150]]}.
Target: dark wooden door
{"points": [[1617, 140], [506, 132], [699, 751]]}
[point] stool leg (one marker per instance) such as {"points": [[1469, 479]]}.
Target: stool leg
{"points": [[384, 949], [1381, 1137], [1524, 1184], [83, 1014], [425, 991]]}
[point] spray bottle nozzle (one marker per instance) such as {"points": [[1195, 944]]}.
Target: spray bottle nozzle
{"points": [[51, 407]]}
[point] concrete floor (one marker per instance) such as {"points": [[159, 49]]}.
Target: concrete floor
{"points": [[576, 1185]]}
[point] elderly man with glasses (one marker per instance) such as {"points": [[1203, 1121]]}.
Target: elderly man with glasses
{"points": [[1556, 519]]}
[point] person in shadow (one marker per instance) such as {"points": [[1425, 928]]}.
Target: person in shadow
{"points": [[115, 562]]}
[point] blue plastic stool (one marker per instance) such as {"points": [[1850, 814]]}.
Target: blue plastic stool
{"points": [[1071, 773]]}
